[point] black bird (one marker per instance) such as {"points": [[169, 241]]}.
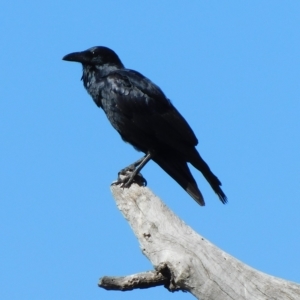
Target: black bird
{"points": [[145, 118]]}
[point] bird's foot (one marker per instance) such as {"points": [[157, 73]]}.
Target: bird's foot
{"points": [[128, 175]]}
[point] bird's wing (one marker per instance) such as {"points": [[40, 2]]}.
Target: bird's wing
{"points": [[145, 108]]}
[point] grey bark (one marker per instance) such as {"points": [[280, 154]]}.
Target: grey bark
{"points": [[185, 259]]}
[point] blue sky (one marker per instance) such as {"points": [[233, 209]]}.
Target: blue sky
{"points": [[232, 70]]}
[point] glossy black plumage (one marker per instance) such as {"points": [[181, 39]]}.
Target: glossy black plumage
{"points": [[144, 117]]}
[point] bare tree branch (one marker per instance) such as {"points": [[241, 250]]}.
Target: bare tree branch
{"points": [[188, 261], [136, 281]]}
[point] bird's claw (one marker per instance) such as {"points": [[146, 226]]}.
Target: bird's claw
{"points": [[127, 176]]}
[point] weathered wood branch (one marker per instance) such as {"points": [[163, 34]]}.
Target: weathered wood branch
{"points": [[186, 260], [137, 281]]}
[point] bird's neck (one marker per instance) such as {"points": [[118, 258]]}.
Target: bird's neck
{"points": [[94, 72], [92, 78]]}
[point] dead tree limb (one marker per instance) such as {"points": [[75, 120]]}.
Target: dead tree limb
{"points": [[183, 260]]}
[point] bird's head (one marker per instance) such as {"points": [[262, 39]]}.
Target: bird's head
{"points": [[96, 56]]}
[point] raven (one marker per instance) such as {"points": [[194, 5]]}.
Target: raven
{"points": [[145, 118]]}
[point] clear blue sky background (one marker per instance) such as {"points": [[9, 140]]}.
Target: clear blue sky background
{"points": [[232, 69]]}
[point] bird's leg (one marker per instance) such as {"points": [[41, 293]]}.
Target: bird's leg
{"points": [[133, 171], [139, 167], [133, 166]]}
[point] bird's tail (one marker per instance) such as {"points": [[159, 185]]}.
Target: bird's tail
{"points": [[212, 179], [178, 169]]}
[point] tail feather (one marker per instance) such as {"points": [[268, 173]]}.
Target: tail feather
{"points": [[212, 179], [178, 169]]}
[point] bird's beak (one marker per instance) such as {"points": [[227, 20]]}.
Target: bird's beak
{"points": [[82, 57]]}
